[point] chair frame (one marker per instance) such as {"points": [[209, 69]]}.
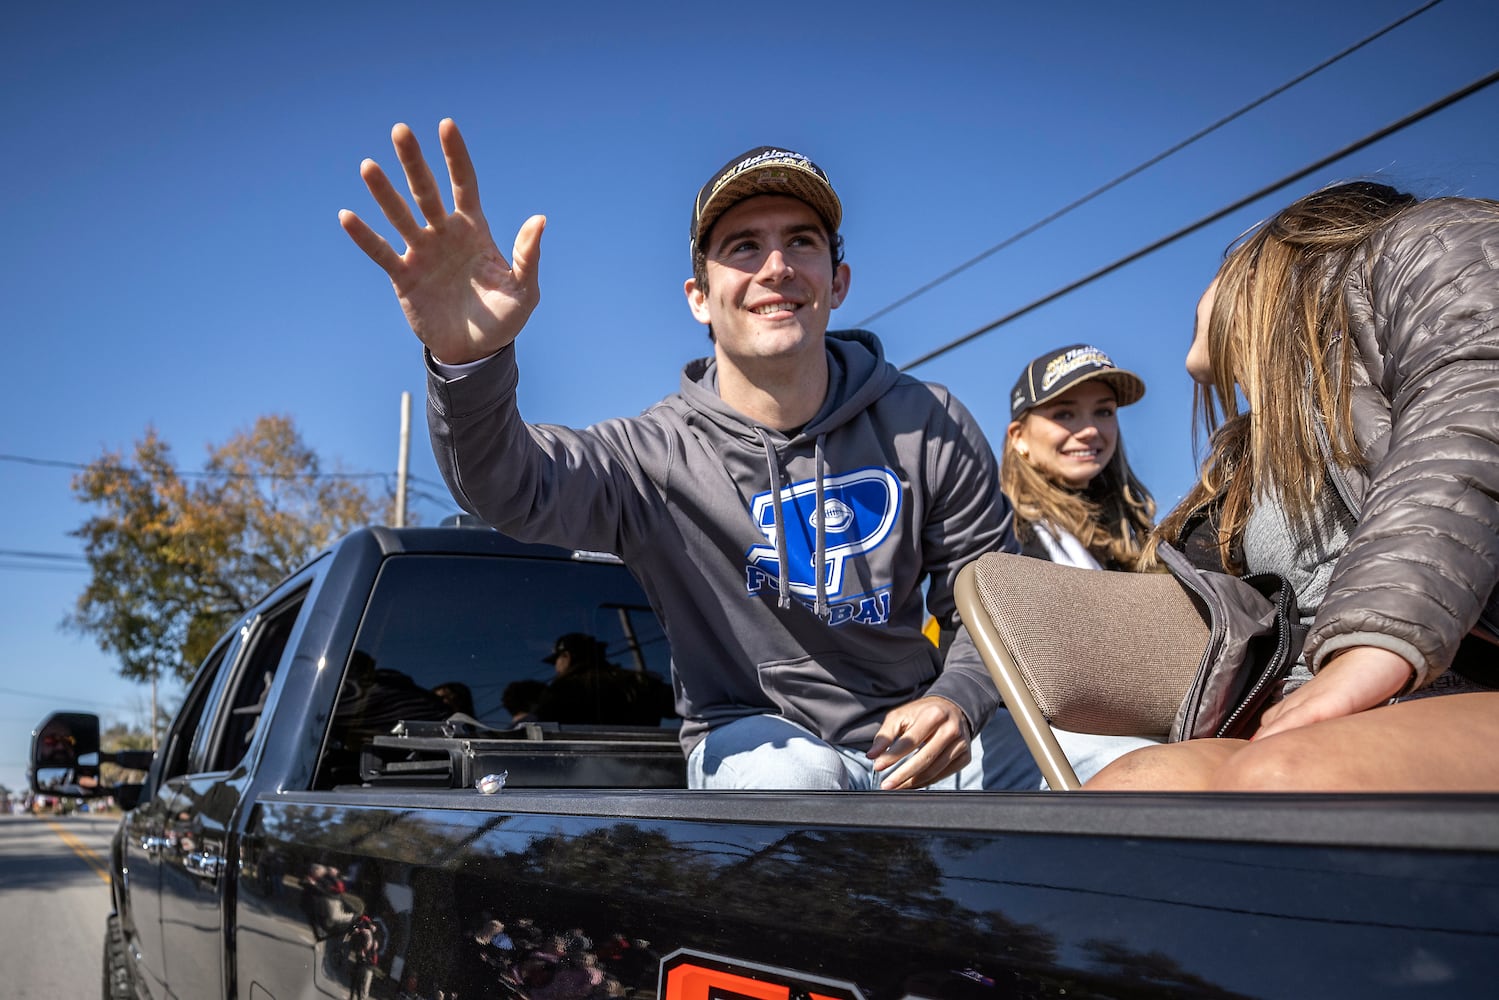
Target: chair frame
{"points": [[1034, 727]]}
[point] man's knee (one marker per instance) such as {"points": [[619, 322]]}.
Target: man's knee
{"points": [[767, 752]]}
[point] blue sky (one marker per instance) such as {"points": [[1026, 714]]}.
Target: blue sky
{"points": [[173, 174]]}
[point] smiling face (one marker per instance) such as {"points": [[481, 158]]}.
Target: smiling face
{"points": [[1072, 437], [771, 281]]}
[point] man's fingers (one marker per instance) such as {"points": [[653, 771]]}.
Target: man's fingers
{"points": [[932, 737], [910, 773], [926, 766], [390, 201], [461, 175], [371, 242], [525, 256], [419, 179], [896, 738]]}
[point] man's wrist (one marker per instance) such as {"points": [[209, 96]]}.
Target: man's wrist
{"points": [[457, 369]]}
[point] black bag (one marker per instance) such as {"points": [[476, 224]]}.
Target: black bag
{"points": [[1254, 639]]}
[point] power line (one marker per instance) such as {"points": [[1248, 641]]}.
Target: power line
{"points": [[25, 554], [447, 504], [1201, 133], [1208, 220], [42, 562], [57, 698], [198, 474], [39, 568]]}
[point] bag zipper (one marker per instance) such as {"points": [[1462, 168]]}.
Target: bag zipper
{"points": [[1280, 659]]}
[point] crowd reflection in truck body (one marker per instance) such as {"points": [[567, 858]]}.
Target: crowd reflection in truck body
{"points": [[473, 900], [357, 937], [519, 958]]}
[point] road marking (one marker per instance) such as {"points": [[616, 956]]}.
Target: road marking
{"points": [[81, 849]]}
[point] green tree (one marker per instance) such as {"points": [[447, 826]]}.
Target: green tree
{"points": [[175, 559]]}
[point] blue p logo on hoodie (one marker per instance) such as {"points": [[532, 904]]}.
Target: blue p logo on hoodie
{"points": [[858, 511]]}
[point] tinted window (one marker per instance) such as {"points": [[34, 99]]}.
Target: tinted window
{"points": [[184, 732], [479, 630], [241, 709]]}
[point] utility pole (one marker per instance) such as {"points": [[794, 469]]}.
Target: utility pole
{"points": [[403, 460], [155, 671]]}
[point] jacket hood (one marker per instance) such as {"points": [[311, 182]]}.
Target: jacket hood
{"points": [[858, 374]]}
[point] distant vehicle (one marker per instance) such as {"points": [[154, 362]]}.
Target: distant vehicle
{"points": [[314, 825]]}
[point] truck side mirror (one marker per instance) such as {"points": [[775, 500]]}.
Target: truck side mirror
{"points": [[65, 755], [64, 738], [65, 759]]}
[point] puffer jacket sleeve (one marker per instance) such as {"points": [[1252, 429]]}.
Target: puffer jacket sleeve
{"points": [[1424, 559]]}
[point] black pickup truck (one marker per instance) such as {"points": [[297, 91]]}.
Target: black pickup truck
{"points": [[319, 823]]}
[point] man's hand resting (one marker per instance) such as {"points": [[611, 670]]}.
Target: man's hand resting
{"points": [[932, 731]]}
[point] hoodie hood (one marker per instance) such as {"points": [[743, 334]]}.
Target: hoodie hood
{"points": [[857, 375]]}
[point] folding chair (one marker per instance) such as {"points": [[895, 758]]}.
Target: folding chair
{"points": [[1091, 651]]}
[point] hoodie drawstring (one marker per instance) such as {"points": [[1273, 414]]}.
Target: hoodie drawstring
{"points": [[784, 601], [820, 561]]}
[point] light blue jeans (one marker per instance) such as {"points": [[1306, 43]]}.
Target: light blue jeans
{"points": [[769, 752], [1089, 753]]}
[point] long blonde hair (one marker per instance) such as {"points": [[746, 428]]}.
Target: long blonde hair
{"points": [[1276, 338], [1112, 516]]}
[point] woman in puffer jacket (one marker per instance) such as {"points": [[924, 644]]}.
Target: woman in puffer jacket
{"points": [[1361, 327]]}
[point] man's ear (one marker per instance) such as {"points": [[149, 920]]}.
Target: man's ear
{"points": [[697, 301], [841, 278]]}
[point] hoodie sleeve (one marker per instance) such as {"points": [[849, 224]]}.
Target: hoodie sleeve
{"points": [[537, 483], [968, 515], [1424, 559]]}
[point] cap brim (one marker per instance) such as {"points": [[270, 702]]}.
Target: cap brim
{"points": [[776, 179], [1128, 387]]}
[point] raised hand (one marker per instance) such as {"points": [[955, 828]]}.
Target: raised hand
{"points": [[460, 295]]}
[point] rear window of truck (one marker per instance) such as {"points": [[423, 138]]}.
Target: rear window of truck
{"points": [[471, 635]]}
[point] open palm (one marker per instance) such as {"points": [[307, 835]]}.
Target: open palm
{"points": [[460, 295]]}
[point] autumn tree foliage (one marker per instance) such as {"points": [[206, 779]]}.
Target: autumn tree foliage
{"points": [[175, 557]]}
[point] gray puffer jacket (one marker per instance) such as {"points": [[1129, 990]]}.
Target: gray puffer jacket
{"points": [[1422, 564]]}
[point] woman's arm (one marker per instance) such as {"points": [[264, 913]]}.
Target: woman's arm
{"points": [[1424, 559]]}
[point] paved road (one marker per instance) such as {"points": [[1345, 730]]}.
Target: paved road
{"points": [[54, 896]]}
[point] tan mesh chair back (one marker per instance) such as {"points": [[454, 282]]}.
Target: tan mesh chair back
{"points": [[1092, 651]]}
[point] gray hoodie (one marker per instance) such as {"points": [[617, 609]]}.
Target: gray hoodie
{"points": [[686, 494]]}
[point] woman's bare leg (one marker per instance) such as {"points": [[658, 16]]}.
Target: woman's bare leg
{"points": [[1169, 767], [1443, 744]]}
